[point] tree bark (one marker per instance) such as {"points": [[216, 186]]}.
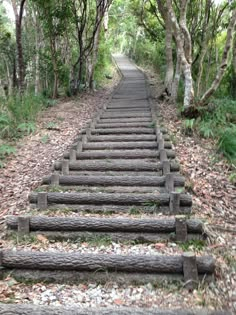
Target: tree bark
{"points": [[154, 181], [20, 57], [111, 199], [24, 309], [118, 130], [184, 53], [224, 62], [115, 165], [91, 262], [234, 69], [44, 223], [124, 145], [175, 83]]}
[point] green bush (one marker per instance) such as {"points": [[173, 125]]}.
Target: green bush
{"points": [[227, 144], [18, 113]]}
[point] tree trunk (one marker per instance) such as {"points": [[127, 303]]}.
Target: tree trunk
{"points": [[234, 69], [93, 58], [55, 68], [184, 53], [169, 56], [224, 62], [20, 58], [175, 84]]}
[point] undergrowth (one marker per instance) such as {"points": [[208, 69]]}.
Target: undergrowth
{"points": [[17, 118], [217, 122]]}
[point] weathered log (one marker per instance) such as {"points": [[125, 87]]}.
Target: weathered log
{"points": [[118, 138], [128, 109], [25, 309], [124, 125], [116, 165], [111, 199], [124, 120], [45, 223], [124, 145], [120, 154], [125, 115], [123, 131], [90, 262], [153, 181]]}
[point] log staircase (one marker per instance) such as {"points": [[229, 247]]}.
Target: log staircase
{"points": [[122, 163]]}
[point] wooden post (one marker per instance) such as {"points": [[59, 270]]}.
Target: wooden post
{"points": [[84, 139], [181, 230], [165, 167], [79, 147], [65, 167], [190, 270], [23, 225], [161, 144], [55, 180], [169, 183], [72, 155], [174, 202], [42, 201], [163, 155], [88, 133]]}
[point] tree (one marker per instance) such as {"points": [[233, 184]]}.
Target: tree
{"points": [[20, 58]]}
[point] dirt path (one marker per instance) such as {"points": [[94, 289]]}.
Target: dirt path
{"points": [[57, 127], [112, 159]]}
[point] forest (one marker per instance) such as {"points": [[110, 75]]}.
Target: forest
{"points": [[54, 49]]}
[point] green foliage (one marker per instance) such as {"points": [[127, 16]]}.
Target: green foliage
{"points": [[188, 126], [219, 122], [45, 139], [5, 151], [227, 144], [18, 114], [26, 127], [193, 245]]}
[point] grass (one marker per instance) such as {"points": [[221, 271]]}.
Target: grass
{"points": [[219, 122], [192, 245]]}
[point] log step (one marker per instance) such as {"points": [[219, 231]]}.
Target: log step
{"points": [[123, 131], [150, 225], [125, 115], [124, 125], [26, 309], [153, 181], [53, 261], [165, 199], [119, 138], [124, 145], [111, 110], [120, 154], [125, 120], [114, 165], [117, 229]]}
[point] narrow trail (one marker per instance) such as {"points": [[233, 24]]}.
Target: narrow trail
{"points": [[121, 165]]}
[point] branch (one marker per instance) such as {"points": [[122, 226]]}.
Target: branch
{"points": [[224, 62]]}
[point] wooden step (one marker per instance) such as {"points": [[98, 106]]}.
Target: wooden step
{"points": [[119, 154]]}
